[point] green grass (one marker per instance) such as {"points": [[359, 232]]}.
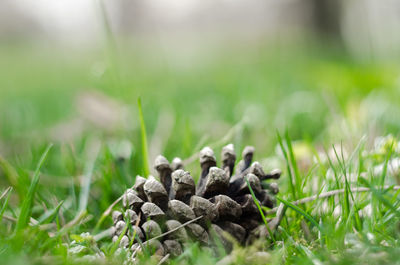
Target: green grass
{"points": [[27, 203], [325, 237], [145, 153], [271, 234], [317, 94]]}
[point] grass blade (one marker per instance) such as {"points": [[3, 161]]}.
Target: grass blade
{"points": [[115, 245], [291, 184], [347, 190], [92, 151], [48, 216], [294, 165], [9, 172], [5, 192], [5, 204], [145, 153], [27, 204], [300, 211], [342, 166], [260, 210], [338, 186], [134, 232], [385, 166], [381, 197]]}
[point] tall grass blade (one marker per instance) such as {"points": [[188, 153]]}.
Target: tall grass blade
{"points": [[27, 204], [338, 186], [289, 170], [385, 165], [260, 210], [134, 236], [395, 196], [301, 212], [145, 153], [5, 204], [293, 163], [9, 172], [92, 150], [115, 245], [347, 190], [49, 216], [5, 193], [346, 209]]}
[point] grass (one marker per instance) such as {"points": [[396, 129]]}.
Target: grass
{"points": [[318, 95], [261, 211], [350, 235], [27, 203], [145, 155]]}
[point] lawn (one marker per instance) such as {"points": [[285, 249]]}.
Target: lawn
{"points": [[72, 141]]}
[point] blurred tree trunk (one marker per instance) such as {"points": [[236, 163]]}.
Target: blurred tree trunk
{"points": [[132, 15], [326, 18], [11, 28]]}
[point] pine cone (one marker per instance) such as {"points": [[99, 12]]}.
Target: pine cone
{"points": [[222, 201]]}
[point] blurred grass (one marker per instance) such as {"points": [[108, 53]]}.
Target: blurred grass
{"points": [[296, 87]]}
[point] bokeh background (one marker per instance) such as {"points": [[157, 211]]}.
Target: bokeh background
{"points": [[207, 72]]}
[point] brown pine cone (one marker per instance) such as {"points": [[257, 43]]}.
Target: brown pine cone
{"points": [[222, 200]]}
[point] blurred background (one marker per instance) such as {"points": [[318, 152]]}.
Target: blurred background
{"points": [[206, 71]]}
